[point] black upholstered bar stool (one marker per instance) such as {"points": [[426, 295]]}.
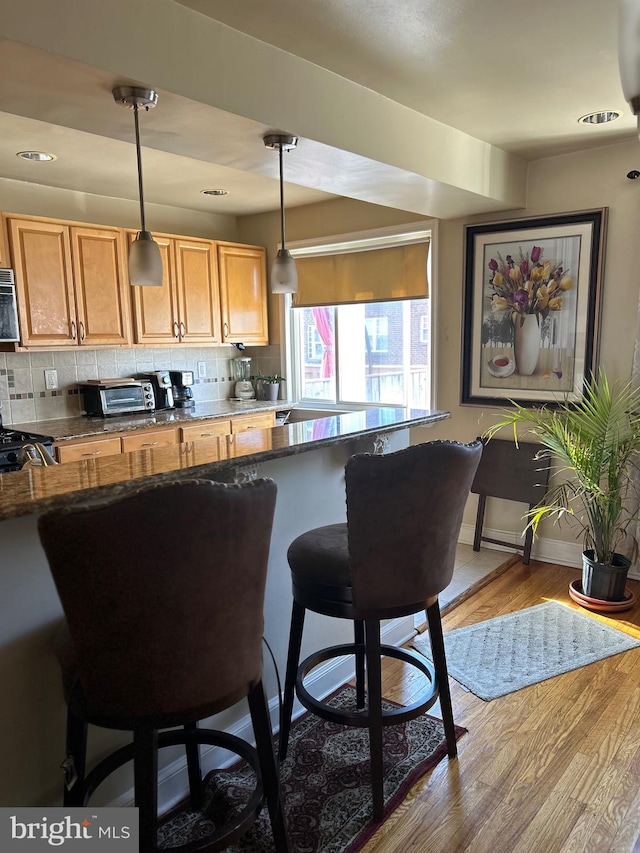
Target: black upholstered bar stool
{"points": [[163, 593], [392, 558]]}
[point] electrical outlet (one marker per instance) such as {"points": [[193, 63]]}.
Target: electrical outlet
{"points": [[51, 380], [202, 369]]}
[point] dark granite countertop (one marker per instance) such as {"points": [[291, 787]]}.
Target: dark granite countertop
{"points": [[35, 490], [63, 429]]}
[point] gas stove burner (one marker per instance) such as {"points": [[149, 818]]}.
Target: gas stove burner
{"points": [[11, 440], [10, 436]]}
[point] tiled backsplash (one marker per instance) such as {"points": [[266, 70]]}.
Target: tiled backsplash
{"points": [[25, 399]]}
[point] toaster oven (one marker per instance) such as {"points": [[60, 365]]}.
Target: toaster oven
{"points": [[121, 397]]}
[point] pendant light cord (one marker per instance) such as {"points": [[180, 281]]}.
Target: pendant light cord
{"points": [[139, 156], [281, 196]]}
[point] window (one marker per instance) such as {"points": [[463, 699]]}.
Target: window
{"points": [[365, 358], [377, 333], [314, 344], [361, 353], [424, 329]]}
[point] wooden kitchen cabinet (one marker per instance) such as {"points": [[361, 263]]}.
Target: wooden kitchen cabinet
{"points": [[262, 420], [73, 451], [101, 284], [70, 283], [205, 429], [186, 309], [41, 253], [243, 293], [143, 439], [4, 245]]}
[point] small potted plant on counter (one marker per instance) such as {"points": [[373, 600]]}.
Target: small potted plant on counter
{"points": [[595, 445], [270, 386]]}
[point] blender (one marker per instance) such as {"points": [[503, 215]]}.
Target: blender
{"points": [[242, 371]]}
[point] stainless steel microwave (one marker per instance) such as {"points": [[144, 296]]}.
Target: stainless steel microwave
{"points": [[104, 399], [8, 312]]}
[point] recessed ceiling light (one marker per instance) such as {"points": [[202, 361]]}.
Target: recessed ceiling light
{"points": [[36, 156], [600, 118], [215, 192]]}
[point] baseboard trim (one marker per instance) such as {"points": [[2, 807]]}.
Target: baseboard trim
{"points": [[546, 550], [173, 784]]}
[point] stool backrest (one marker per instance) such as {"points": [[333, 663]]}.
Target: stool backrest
{"points": [[163, 591], [404, 512]]}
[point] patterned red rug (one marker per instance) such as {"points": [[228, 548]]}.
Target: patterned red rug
{"points": [[325, 785]]}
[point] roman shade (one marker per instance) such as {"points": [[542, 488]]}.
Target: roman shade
{"points": [[373, 275]]}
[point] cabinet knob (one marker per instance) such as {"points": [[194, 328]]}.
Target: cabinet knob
{"points": [[149, 444], [183, 329], [226, 330], [176, 330], [73, 330], [95, 453], [82, 334]]}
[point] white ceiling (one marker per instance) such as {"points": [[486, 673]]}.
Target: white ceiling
{"points": [[514, 73]]}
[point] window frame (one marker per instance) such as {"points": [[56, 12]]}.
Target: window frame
{"points": [[393, 235]]}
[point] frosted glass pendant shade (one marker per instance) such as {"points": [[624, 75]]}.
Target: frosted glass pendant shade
{"points": [[145, 261], [284, 275], [629, 51]]}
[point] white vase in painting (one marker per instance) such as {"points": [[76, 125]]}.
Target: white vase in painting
{"points": [[526, 343]]}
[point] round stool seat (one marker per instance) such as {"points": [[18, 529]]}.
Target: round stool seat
{"points": [[322, 555]]}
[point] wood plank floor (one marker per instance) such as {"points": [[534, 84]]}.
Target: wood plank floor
{"points": [[553, 767]]}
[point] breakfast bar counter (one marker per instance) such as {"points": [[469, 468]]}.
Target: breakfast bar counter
{"points": [[227, 458], [305, 459]]}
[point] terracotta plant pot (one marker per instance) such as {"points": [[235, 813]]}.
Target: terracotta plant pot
{"points": [[606, 583]]}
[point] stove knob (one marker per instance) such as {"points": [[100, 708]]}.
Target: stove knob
{"points": [[12, 456]]}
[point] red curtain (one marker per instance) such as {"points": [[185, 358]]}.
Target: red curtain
{"points": [[324, 324]]}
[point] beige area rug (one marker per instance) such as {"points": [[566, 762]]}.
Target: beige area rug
{"points": [[504, 654]]}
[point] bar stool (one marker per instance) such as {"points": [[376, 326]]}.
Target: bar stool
{"points": [[163, 594], [392, 558]]}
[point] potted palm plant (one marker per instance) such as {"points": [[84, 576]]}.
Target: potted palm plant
{"points": [[594, 445]]}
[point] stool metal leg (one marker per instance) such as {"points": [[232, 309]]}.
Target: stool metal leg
{"points": [[358, 633], [374, 689], [434, 621], [293, 657], [192, 750], [145, 776], [266, 756], [76, 760]]}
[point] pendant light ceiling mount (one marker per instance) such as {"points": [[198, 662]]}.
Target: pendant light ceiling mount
{"points": [[284, 276], [135, 96], [145, 261]]}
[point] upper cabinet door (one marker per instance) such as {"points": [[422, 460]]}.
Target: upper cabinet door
{"points": [[243, 293], [197, 286], [41, 253], [155, 309], [101, 286]]}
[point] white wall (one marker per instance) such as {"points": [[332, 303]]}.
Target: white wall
{"points": [[571, 182]]}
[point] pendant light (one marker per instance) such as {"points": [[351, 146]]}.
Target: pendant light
{"points": [[629, 52], [284, 276], [145, 261]]}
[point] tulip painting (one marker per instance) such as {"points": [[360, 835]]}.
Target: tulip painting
{"points": [[531, 307], [528, 284]]}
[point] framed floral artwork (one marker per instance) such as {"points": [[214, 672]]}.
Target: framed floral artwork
{"points": [[532, 308]]}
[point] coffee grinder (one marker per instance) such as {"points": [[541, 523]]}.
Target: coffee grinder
{"points": [[182, 380], [244, 389]]}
